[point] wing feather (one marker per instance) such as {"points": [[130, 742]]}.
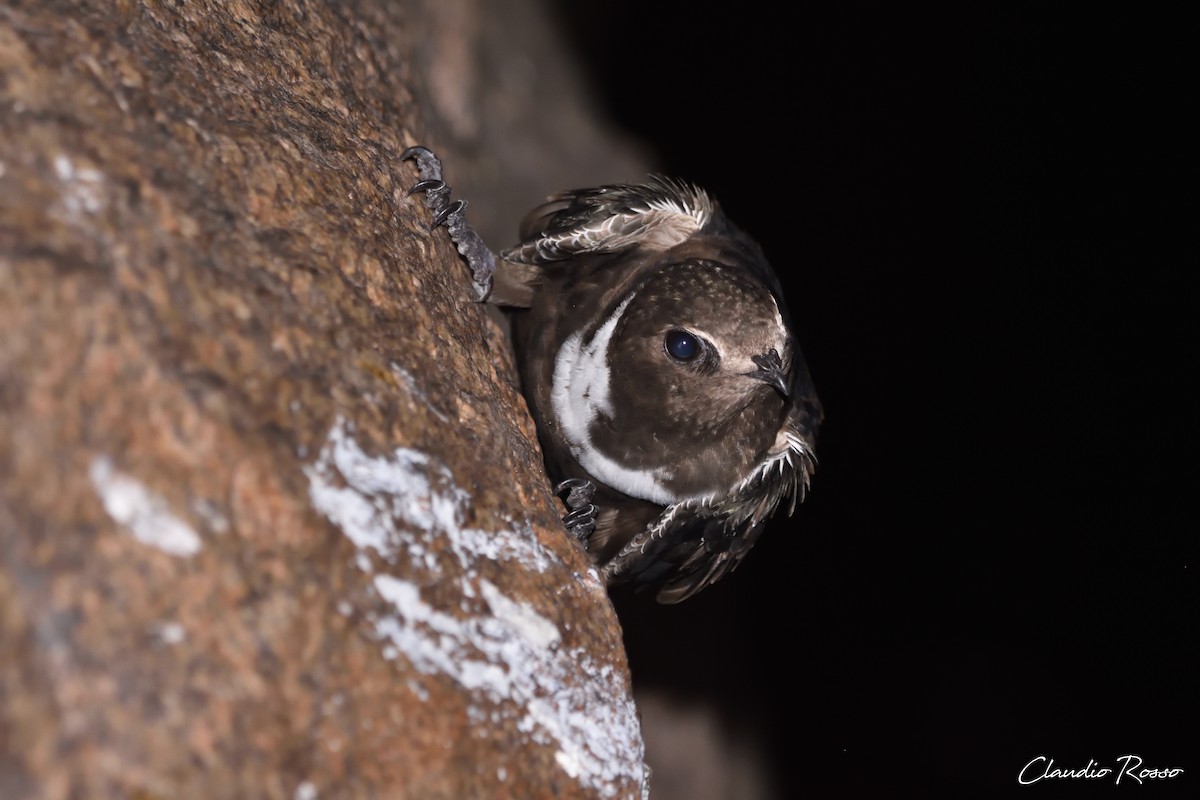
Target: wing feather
{"points": [[695, 543], [659, 214]]}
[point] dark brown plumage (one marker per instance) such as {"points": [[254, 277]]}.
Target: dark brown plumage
{"points": [[659, 366]]}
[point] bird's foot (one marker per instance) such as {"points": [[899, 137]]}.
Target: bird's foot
{"points": [[451, 214], [581, 515]]}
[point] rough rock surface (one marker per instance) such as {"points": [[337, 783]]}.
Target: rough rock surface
{"points": [[273, 521]]}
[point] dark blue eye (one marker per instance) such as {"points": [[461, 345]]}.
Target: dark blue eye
{"points": [[681, 345]]}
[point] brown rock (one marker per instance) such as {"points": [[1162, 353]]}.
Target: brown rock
{"points": [[273, 521]]}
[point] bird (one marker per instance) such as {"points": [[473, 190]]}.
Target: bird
{"points": [[674, 408]]}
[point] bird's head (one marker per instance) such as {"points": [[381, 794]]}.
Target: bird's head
{"points": [[707, 344]]}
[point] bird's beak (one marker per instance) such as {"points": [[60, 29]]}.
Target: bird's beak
{"points": [[770, 372]]}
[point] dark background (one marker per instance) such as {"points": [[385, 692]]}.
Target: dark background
{"points": [[972, 216]]}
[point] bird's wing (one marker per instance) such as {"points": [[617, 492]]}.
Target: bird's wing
{"points": [[658, 214], [695, 543]]}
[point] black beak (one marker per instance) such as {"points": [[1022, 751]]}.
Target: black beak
{"points": [[770, 372]]}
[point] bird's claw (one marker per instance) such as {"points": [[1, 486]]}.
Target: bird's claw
{"points": [[579, 491], [451, 214], [581, 522], [431, 185], [457, 207], [581, 518]]}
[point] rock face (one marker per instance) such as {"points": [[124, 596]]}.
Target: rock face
{"points": [[273, 521]]}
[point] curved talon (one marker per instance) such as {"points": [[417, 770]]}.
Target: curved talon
{"points": [[581, 514], [431, 185], [581, 522], [579, 491], [414, 151], [455, 207]]}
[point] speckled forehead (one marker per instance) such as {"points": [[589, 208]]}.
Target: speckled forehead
{"points": [[709, 292]]}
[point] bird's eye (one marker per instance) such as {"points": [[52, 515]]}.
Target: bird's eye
{"points": [[682, 346]]}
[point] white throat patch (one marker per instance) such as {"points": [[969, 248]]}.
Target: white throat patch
{"points": [[579, 392]]}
